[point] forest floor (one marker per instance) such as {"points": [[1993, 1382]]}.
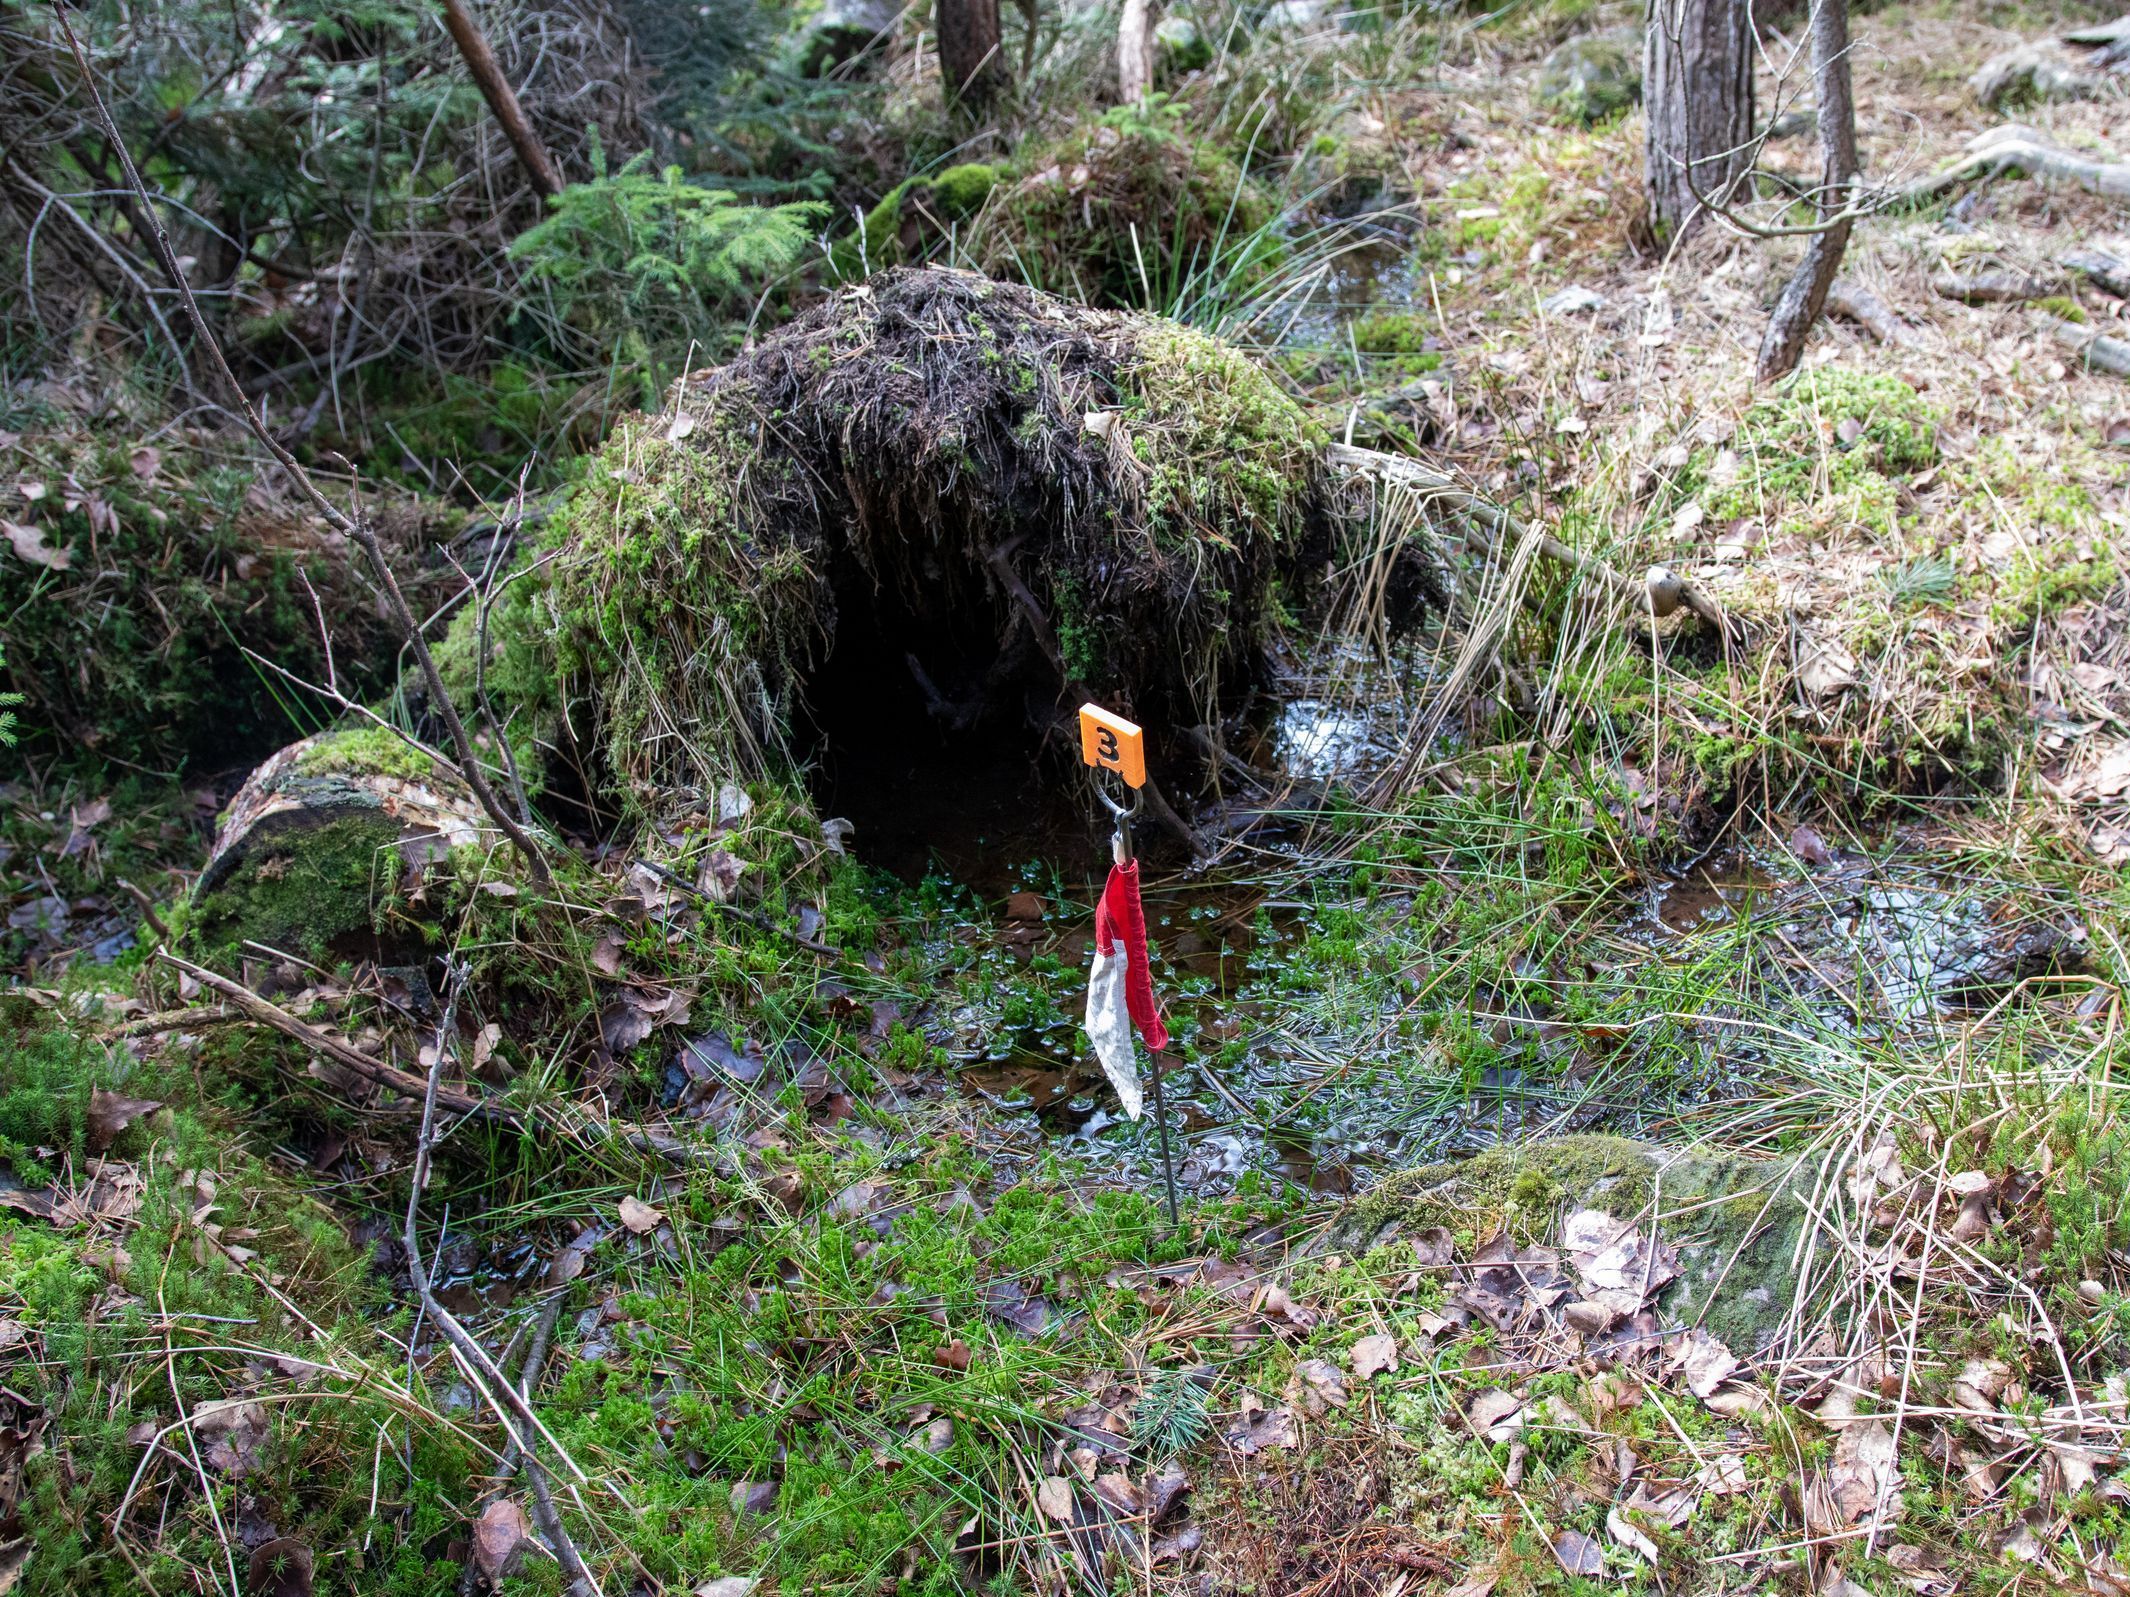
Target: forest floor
{"points": [[1695, 1167]]}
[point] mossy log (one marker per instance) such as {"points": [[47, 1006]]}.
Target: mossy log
{"points": [[319, 837]]}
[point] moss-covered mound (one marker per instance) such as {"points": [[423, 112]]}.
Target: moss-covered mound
{"points": [[932, 483]]}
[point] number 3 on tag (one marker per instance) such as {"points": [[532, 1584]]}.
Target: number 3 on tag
{"points": [[1111, 741]]}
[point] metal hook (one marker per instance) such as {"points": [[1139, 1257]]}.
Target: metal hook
{"points": [[1120, 841]]}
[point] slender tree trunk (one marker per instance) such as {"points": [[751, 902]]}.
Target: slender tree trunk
{"points": [[1697, 85], [972, 53], [1135, 52], [502, 99], [1805, 295]]}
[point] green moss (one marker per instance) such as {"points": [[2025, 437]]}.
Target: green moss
{"points": [[2062, 305], [1221, 441], [370, 750], [909, 217], [301, 893]]}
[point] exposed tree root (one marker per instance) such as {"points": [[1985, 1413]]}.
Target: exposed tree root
{"points": [[2011, 149], [2098, 352], [1993, 288]]}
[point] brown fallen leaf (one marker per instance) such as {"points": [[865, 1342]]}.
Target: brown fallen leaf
{"points": [[1054, 1497], [1258, 1428], [1373, 1353], [1702, 1361], [110, 1113], [1495, 1414], [499, 1538], [1317, 1386], [639, 1216], [233, 1431]]}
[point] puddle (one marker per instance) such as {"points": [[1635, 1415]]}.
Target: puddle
{"points": [[1374, 272]]}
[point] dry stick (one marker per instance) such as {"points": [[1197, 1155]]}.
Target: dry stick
{"points": [[2098, 352], [1993, 288], [1805, 295], [355, 527], [491, 1382], [408, 1085], [502, 98], [373, 1070], [2016, 149]]}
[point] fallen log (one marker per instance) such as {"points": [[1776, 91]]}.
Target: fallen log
{"points": [[2095, 350], [1993, 288]]}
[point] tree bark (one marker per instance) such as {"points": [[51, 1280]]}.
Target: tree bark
{"points": [[1805, 295], [1135, 52], [972, 53], [1697, 83], [502, 99]]}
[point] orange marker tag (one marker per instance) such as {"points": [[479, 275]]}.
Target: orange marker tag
{"points": [[1110, 740]]}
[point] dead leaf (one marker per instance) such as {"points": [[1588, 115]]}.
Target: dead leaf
{"points": [[1495, 1414], [1863, 1477], [110, 1113], [484, 1045], [1317, 1386], [954, 1356], [753, 1497], [1578, 1554], [1286, 1315], [1054, 1498], [1258, 1428], [499, 1538], [1810, 847], [1980, 1383], [1630, 1536], [1007, 1301], [719, 876], [639, 1216], [232, 1430], [1824, 667], [1478, 1583], [1703, 1361], [1373, 1353], [1620, 1271], [29, 545], [1723, 1476], [728, 1586]]}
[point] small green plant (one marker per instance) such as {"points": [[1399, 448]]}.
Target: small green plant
{"points": [[634, 249], [7, 712], [1926, 579], [1171, 1416]]}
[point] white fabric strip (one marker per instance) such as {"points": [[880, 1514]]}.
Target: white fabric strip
{"points": [[1109, 1027]]}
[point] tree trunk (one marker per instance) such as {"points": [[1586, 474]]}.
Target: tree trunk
{"points": [[1697, 83], [1135, 52], [1805, 295], [972, 53]]}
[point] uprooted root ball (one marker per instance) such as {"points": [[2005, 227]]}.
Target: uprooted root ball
{"points": [[935, 477]]}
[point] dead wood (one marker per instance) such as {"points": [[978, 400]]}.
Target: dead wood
{"points": [[2103, 268], [1856, 303], [1993, 288], [502, 99], [2095, 350], [1135, 51]]}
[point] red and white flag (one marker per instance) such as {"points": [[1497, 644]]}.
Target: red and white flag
{"points": [[1120, 991]]}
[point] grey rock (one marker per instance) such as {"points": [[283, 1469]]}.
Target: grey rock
{"points": [[1593, 75]]}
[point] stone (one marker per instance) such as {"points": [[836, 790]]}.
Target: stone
{"points": [[1593, 75], [1295, 16], [840, 31], [1180, 46]]}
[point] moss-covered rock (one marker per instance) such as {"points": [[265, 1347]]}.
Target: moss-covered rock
{"points": [[321, 837], [1736, 1227], [1180, 46], [1593, 76]]}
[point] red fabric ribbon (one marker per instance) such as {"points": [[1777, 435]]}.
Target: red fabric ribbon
{"points": [[1119, 918]]}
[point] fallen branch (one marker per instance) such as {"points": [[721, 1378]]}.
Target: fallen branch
{"points": [[1858, 304], [502, 99], [375, 1071], [481, 1371], [2107, 271], [2097, 351], [2009, 149], [1491, 518], [1993, 288]]}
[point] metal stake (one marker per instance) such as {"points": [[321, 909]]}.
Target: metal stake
{"points": [[1120, 848]]}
